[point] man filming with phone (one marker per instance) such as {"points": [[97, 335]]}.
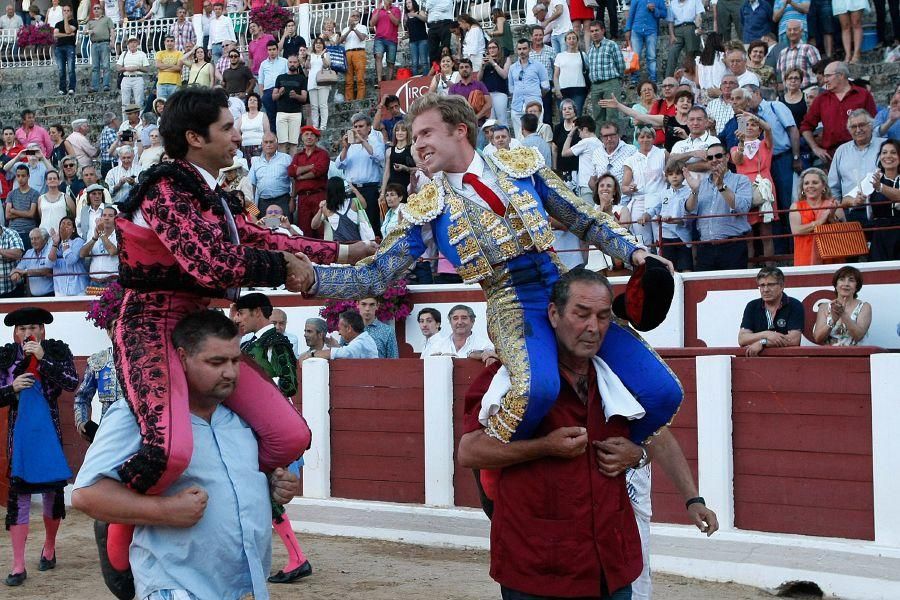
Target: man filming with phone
{"points": [[275, 219], [362, 160]]}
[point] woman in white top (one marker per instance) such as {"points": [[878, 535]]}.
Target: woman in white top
{"points": [[643, 178], [318, 93], [444, 78], [473, 41], [568, 73], [253, 125], [845, 320], [711, 64], [53, 205], [152, 154]]}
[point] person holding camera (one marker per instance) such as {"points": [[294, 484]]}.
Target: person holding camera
{"points": [[33, 157], [123, 177], [362, 160]]}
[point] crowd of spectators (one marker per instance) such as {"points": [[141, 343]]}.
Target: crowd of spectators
{"points": [[739, 156]]}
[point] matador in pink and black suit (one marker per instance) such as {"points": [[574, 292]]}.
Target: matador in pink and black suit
{"points": [[183, 241]]}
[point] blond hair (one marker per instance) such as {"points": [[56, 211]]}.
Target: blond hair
{"points": [[453, 109]]}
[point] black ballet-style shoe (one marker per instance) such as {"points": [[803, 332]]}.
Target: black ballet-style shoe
{"points": [[120, 583], [47, 563], [304, 570], [14, 579]]}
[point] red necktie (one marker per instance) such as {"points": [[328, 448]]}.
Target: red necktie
{"points": [[485, 193]]}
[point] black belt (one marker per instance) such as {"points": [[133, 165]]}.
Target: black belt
{"points": [[362, 185], [356, 50], [694, 25], [99, 41], [278, 197]]}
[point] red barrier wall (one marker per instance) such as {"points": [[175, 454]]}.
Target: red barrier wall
{"points": [[803, 444], [377, 430]]}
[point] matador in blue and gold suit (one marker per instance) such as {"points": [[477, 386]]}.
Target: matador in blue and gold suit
{"points": [[512, 258]]}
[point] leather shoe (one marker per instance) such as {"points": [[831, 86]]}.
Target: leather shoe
{"points": [[304, 570], [14, 579], [120, 583], [47, 563]]}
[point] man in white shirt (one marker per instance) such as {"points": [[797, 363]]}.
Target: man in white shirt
{"points": [[736, 61], [430, 325], [132, 65], [221, 29], [10, 22], [357, 341], [693, 149], [353, 37], [557, 23], [103, 249], [123, 177], [609, 156], [440, 18], [85, 152], [584, 149], [462, 343]]}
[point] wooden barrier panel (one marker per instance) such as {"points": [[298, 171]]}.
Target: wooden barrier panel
{"points": [[803, 445], [668, 503], [377, 430], [465, 492]]}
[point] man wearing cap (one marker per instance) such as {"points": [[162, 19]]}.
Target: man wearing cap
{"points": [[132, 64], [309, 171], [33, 373], [84, 151]]}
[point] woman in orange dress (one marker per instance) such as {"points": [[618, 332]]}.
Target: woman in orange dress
{"points": [[751, 157], [815, 206]]}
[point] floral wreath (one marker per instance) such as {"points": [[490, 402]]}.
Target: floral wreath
{"points": [[105, 309]]}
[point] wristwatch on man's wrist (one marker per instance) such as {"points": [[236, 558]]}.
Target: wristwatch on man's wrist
{"points": [[764, 342]]}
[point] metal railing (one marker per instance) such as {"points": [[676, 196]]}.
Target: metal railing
{"points": [[152, 32]]}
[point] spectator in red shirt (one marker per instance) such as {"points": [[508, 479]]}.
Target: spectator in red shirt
{"points": [[831, 108], [8, 151], [589, 515], [665, 106], [386, 21], [30, 132], [309, 170]]}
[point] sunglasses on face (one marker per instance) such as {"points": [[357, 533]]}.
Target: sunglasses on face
{"points": [[716, 156], [233, 56]]}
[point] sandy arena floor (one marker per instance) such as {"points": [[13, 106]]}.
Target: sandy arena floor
{"points": [[343, 568]]}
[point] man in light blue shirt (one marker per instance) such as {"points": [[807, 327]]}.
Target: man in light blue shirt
{"points": [[36, 265], [269, 176], [384, 334], [362, 161], [209, 534], [527, 81], [357, 341], [269, 70], [720, 193]]}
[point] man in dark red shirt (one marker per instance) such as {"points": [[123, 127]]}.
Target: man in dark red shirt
{"points": [[309, 170], [831, 108], [560, 527]]}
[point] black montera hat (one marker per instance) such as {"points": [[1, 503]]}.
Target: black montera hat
{"points": [[647, 296], [253, 300], [31, 315]]}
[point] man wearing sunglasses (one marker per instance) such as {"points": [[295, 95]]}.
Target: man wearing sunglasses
{"points": [[527, 80], [720, 199]]}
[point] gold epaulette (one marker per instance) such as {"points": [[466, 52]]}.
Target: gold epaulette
{"points": [[519, 162], [423, 206]]}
